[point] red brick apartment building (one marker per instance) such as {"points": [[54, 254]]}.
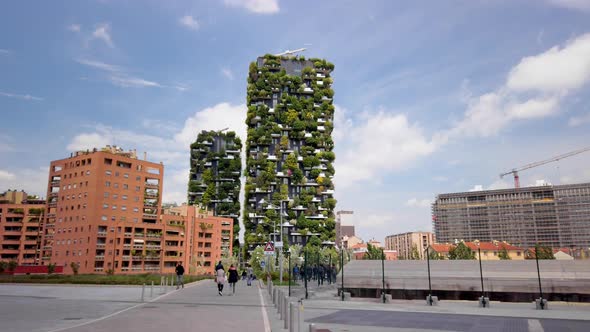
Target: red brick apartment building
{"points": [[21, 218], [196, 238], [104, 214]]}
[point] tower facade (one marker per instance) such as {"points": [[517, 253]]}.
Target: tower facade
{"points": [[289, 151], [214, 179]]}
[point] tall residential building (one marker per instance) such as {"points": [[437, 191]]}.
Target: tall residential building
{"points": [[556, 216], [103, 212], [214, 179], [289, 151], [21, 226], [405, 243], [196, 238]]}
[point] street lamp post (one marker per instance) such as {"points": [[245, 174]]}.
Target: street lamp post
{"points": [[483, 292], [429, 283]]}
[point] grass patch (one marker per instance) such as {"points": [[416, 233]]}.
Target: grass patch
{"points": [[93, 279]]}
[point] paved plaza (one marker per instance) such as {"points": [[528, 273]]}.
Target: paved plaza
{"points": [[198, 307]]}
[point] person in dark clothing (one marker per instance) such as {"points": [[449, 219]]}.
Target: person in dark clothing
{"points": [[321, 274], [233, 278], [220, 277], [179, 275], [244, 274]]}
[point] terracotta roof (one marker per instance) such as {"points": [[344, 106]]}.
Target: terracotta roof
{"points": [[359, 246], [491, 246], [441, 247]]}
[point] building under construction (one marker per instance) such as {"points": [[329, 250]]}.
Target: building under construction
{"points": [[556, 216]]}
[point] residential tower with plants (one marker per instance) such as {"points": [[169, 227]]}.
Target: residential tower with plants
{"points": [[214, 179], [289, 151]]}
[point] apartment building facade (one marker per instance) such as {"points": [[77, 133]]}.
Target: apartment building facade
{"points": [[103, 208], [556, 216], [405, 243], [289, 151], [214, 179], [196, 238], [21, 227]]}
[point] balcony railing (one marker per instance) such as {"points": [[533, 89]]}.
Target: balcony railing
{"points": [[100, 245], [102, 233], [99, 258]]}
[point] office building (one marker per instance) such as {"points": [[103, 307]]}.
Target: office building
{"points": [[555, 216], [410, 245], [290, 151], [21, 225]]}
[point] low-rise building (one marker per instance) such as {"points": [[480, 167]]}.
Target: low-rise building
{"points": [[489, 250]]}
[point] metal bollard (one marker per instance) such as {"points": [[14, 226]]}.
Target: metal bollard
{"points": [[286, 312], [152, 290], [292, 315], [274, 296], [142, 292], [279, 303], [300, 315], [312, 327]]}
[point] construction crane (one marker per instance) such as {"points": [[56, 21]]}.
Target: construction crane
{"points": [[289, 52], [515, 171]]}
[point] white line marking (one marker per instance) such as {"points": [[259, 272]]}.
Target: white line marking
{"points": [[126, 309], [263, 308], [535, 326]]}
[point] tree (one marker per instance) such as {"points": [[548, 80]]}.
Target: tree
{"points": [[415, 255], [51, 268], [373, 252], [74, 267], [433, 255], [3, 266], [12, 265], [461, 251], [503, 254], [543, 252]]}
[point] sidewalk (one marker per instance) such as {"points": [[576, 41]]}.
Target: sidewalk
{"points": [[197, 307]]}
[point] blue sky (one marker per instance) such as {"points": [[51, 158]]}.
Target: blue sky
{"points": [[432, 96]]}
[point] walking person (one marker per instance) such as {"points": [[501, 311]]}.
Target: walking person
{"points": [[296, 272], [232, 278], [179, 275], [220, 277], [250, 273]]}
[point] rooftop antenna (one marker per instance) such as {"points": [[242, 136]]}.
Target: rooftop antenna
{"points": [[291, 52]]}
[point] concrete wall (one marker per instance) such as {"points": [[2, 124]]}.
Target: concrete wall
{"points": [[559, 277]]}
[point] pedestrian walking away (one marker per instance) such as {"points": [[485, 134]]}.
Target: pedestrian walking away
{"points": [[244, 274], [179, 275], [220, 278], [296, 272], [250, 273], [232, 278]]}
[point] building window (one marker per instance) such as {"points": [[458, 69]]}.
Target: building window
{"points": [[107, 184], [114, 207], [123, 208], [108, 172], [104, 218], [106, 194], [116, 173], [136, 198], [135, 209], [105, 206], [116, 185], [124, 197], [125, 186], [136, 188], [87, 172]]}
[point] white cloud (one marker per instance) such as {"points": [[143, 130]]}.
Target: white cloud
{"points": [[33, 181], [5, 175], [227, 73], [256, 6], [119, 77], [572, 4], [189, 22], [22, 97], [421, 203], [99, 65], [74, 27], [223, 115], [88, 141], [556, 70], [103, 32], [579, 120], [125, 81], [387, 142]]}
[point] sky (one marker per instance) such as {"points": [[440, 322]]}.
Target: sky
{"points": [[431, 96]]}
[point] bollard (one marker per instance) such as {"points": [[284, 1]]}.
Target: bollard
{"points": [[274, 296], [142, 291], [312, 327], [286, 312], [152, 290], [300, 315], [292, 315], [279, 303]]}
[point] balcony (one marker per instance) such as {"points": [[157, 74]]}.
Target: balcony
{"points": [[49, 236], [46, 258], [137, 258], [126, 245], [138, 246], [55, 183], [50, 225], [152, 258], [152, 268], [52, 204], [52, 195], [153, 246], [154, 235], [127, 234], [47, 247], [151, 195], [98, 269], [99, 258], [152, 185], [101, 233], [150, 215], [100, 245], [136, 268], [126, 257]]}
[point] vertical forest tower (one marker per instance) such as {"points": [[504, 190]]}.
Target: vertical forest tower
{"points": [[290, 151], [214, 179]]}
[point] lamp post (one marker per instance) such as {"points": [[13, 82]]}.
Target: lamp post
{"points": [[541, 302], [281, 240], [383, 274], [429, 283], [483, 299], [289, 258]]}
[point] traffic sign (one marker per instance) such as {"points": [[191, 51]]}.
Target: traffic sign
{"points": [[269, 249]]}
